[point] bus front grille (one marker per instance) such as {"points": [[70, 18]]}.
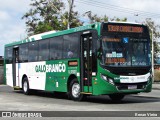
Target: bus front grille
{"points": [[130, 86]]}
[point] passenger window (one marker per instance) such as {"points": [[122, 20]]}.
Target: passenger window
{"points": [[56, 48], [71, 45], [43, 50], [33, 52], [9, 56], [23, 53]]}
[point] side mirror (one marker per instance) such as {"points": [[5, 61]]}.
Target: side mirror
{"points": [[99, 49], [99, 54]]}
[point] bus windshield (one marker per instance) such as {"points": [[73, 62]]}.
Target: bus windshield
{"points": [[121, 49]]}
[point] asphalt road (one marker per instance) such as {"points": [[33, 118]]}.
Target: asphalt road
{"points": [[44, 101]]}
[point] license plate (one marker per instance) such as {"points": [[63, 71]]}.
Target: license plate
{"points": [[131, 87]]}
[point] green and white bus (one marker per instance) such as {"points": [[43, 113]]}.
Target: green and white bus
{"points": [[98, 59]]}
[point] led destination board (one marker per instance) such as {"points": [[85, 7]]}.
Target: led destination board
{"points": [[119, 28]]}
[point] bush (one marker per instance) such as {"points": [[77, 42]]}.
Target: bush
{"points": [[157, 75]]}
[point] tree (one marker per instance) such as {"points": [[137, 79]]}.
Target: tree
{"points": [[42, 16], [156, 35], [118, 19], [95, 18], [74, 20], [47, 15]]}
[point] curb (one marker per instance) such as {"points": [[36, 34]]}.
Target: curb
{"points": [[3, 85], [154, 88]]}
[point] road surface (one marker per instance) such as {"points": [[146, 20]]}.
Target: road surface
{"points": [[44, 101]]}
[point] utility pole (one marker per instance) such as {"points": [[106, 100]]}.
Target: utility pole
{"points": [[152, 55], [70, 2], [89, 13], [50, 3]]}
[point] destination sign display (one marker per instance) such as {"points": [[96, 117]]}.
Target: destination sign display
{"points": [[125, 28], [111, 39]]}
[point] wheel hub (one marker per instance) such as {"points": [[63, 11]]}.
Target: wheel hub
{"points": [[25, 86], [75, 90]]}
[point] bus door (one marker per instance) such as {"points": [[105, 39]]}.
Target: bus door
{"points": [[15, 67], [86, 61]]}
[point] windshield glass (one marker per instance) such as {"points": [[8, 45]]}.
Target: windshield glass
{"points": [[123, 50]]}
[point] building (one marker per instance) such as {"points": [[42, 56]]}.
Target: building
{"points": [[1, 70], [1, 61]]}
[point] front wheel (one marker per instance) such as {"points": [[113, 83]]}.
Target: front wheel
{"points": [[74, 91], [116, 98], [25, 86]]}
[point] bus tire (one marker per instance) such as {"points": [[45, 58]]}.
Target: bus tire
{"points": [[74, 90], [25, 86], [116, 97]]}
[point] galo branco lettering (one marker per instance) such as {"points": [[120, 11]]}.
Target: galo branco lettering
{"points": [[51, 68]]}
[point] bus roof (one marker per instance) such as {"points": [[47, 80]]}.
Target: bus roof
{"points": [[54, 33]]}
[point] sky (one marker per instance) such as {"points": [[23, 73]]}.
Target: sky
{"points": [[12, 27]]}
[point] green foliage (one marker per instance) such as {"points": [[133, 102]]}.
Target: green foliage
{"points": [[95, 18], [156, 34], [157, 75], [152, 25], [118, 19], [74, 20], [42, 17], [42, 26], [46, 15]]}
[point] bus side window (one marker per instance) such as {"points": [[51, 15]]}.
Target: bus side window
{"points": [[56, 48], [33, 52], [43, 50], [71, 45], [23, 53], [9, 55]]}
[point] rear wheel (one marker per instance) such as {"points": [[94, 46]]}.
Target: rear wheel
{"points": [[74, 91], [25, 86], [116, 98]]}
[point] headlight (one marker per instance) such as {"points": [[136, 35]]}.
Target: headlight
{"points": [[104, 77], [107, 79], [111, 81]]}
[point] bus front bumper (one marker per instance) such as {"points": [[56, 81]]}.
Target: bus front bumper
{"points": [[104, 87]]}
